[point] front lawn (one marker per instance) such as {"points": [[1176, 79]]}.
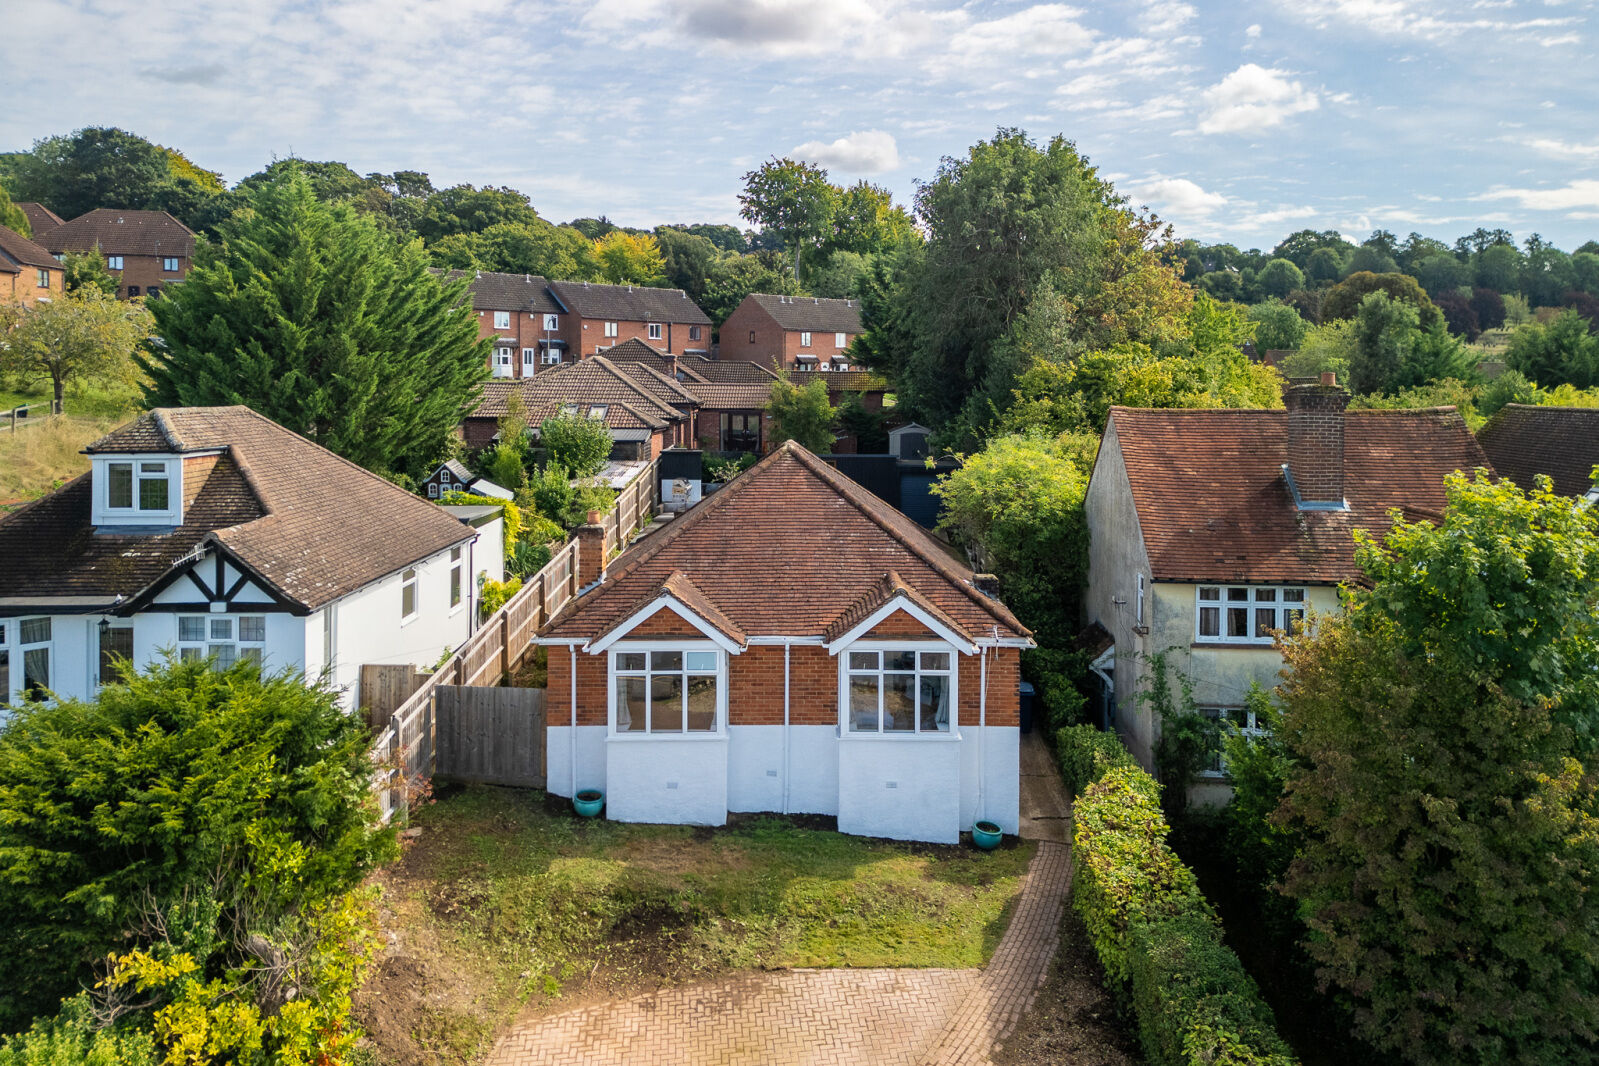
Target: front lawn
{"points": [[507, 904]]}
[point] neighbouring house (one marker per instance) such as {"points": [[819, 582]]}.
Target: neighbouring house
{"points": [[791, 332], [597, 317], [1210, 530], [40, 218], [525, 322], [28, 272], [144, 250], [1523, 441], [453, 476], [641, 425], [723, 664], [213, 531]]}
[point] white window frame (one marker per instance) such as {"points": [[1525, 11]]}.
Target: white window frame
{"points": [[552, 321], [610, 329], [502, 320], [1139, 612], [457, 580], [841, 340], [222, 635], [845, 726], [433, 490], [647, 647], [1275, 598], [655, 331], [169, 264], [43, 278], [552, 357], [502, 362], [805, 339], [143, 467], [113, 262], [24, 646], [1248, 727], [529, 357], [409, 582]]}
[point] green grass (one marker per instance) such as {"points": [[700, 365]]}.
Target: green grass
{"points": [[47, 451], [536, 905]]}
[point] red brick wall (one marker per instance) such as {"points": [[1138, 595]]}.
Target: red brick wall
{"points": [[591, 694], [770, 341], [525, 331], [586, 334], [23, 289], [900, 626], [145, 271]]}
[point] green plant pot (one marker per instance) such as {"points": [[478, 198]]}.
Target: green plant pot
{"points": [[588, 802], [987, 835]]}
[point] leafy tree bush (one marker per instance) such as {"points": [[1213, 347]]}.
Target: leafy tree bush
{"points": [[1563, 352], [1489, 307], [84, 334], [1442, 737], [87, 270], [103, 166], [72, 1037], [1085, 752], [553, 493], [245, 796], [11, 216], [578, 444], [628, 258], [719, 469], [326, 324], [1459, 315], [802, 413], [1344, 300], [1327, 347], [1278, 327], [1279, 278], [1383, 332]]}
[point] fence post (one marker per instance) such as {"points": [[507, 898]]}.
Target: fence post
{"points": [[505, 642]]}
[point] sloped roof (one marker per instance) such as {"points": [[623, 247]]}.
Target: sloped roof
{"points": [[732, 396], [313, 525], [816, 314], [628, 405], [491, 291], [1213, 504], [882, 592], [751, 550], [1523, 441], [628, 303], [680, 588], [40, 218], [855, 381], [660, 386], [17, 251], [117, 232], [728, 371]]}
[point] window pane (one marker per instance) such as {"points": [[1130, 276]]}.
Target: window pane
{"points": [[934, 707], [119, 485], [702, 661], [5, 674], [115, 643], [251, 655], [1210, 594], [221, 629], [935, 660], [1265, 595], [190, 655], [666, 703], [863, 703], [630, 705], [191, 629], [1291, 618], [225, 654], [899, 660], [899, 703], [1294, 595], [1238, 621], [666, 660], [1265, 621], [1210, 621], [153, 494], [630, 660], [252, 627], [455, 586], [701, 704], [35, 630], [863, 660], [1238, 595], [408, 599], [35, 670]]}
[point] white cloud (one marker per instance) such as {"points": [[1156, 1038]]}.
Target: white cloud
{"points": [[1253, 31], [1177, 197], [1043, 29], [1166, 17], [1426, 20], [1582, 193], [1253, 98], [866, 152], [1564, 149]]}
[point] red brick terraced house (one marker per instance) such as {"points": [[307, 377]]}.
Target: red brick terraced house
{"points": [[1211, 530], [145, 250], [723, 664], [641, 425], [602, 316], [28, 273], [524, 321], [729, 397], [791, 332], [1523, 441]]}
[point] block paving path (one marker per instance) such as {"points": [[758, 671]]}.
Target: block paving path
{"points": [[836, 1017]]}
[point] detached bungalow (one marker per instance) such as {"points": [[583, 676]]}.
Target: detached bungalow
{"points": [[724, 664]]}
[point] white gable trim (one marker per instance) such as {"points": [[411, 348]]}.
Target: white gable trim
{"points": [[666, 601], [900, 602]]}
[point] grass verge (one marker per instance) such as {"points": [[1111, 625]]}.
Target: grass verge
{"points": [[506, 905], [38, 458]]}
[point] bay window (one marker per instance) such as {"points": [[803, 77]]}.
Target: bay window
{"points": [[1246, 614], [666, 691], [899, 690], [225, 638]]}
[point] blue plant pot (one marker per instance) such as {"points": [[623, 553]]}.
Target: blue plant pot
{"points": [[588, 802], [987, 835]]}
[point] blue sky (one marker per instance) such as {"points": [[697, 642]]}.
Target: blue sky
{"points": [[1237, 121]]}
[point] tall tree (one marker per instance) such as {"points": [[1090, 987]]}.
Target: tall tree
{"points": [[1562, 353], [327, 324], [11, 216], [83, 334], [802, 413], [793, 200], [686, 259], [1278, 327], [1442, 773], [103, 166], [627, 258], [557, 252], [1279, 278], [466, 209]]}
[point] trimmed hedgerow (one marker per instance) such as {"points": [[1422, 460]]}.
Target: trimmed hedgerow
{"points": [[1155, 933]]}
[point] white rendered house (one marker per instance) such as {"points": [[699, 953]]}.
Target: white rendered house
{"points": [[727, 664], [213, 531]]}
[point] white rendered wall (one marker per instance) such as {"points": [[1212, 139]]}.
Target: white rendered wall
{"points": [[487, 552], [755, 769], [1001, 784], [679, 780], [558, 758], [903, 789]]}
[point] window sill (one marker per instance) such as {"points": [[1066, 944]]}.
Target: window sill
{"points": [[953, 736], [1235, 645], [408, 619], [671, 738]]}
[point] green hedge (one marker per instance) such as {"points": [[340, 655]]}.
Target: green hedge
{"points": [[1152, 928]]}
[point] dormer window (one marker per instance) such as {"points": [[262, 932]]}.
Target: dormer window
{"points": [[142, 486], [137, 491]]}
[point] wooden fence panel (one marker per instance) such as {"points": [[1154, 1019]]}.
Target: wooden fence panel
{"points": [[491, 735], [385, 687]]}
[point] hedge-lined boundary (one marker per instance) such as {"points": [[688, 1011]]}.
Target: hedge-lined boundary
{"points": [[1158, 938]]}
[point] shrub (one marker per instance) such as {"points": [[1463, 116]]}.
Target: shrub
{"points": [[576, 443], [72, 1038], [512, 513], [1085, 754], [719, 469], [552, 493], [495, 593]]}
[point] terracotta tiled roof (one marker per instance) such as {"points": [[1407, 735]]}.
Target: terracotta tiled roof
{"points": [[634, 350], [855, 381], [751, 396], [881, 592], [118, 232], [751, 549], [811, 313], [17, 251], [727, 372], [595, 380], [679, 587], [1563, 442], [1213, 504], [659, 385], [527, 293], [628, 303], [40, 218], [314, 526]]}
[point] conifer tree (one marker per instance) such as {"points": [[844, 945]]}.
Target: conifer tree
{"points": [[323, 322]]}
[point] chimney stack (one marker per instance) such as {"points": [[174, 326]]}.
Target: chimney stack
{"points": [[590, 551], [1315, 467]]}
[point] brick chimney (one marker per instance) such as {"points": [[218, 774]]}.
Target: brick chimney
{"points": [[671, 365], [590, 551], [1315, 467]]}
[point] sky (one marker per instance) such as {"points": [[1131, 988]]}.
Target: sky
{"points": [[1239, 121]]}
